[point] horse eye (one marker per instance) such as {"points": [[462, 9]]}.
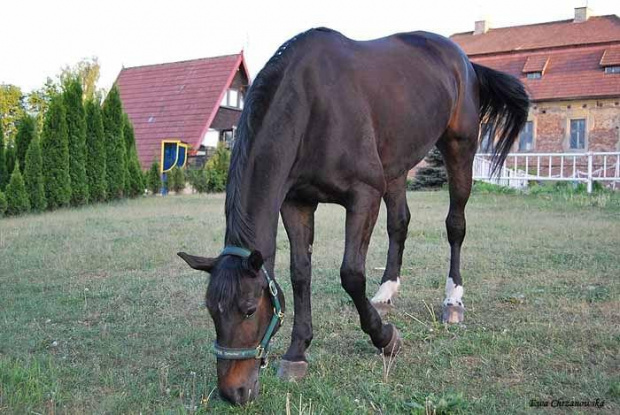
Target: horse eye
{"points": [[250, 312]]}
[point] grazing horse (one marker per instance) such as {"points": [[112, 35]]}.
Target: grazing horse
{"points": [[333, 120]]}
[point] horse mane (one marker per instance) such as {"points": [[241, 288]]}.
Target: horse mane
{"points": [[238, 229]]}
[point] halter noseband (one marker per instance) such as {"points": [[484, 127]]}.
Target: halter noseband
{"points": [[260, 351]]}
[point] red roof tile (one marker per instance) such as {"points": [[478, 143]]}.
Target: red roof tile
{"points": [[570, 73], [611, 57], [537, 63], [597, 29], [177, 100]]}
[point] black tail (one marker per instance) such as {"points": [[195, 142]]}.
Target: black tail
{"points": [[504, 104]]}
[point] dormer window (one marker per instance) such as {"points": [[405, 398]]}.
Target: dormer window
{"points": [[535, 66], [612, 69], [610, 61], [233, 98]]}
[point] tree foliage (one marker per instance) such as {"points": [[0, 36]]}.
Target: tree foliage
{"points": [[154, 178], [134, 183], [4, 175], [33, 176], [38, 101], [9, 156], [11, 109], [214, 176], [3, 204], [76, 129], [176, 180], [95, 152], [433, 175], [87, 72], [26, 132], [55, 147], [16, 195], [115, 144]]}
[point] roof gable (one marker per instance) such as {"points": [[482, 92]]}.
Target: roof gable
{"points": [[596, 30], [177, 100]]}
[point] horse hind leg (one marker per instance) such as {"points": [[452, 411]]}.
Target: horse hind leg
{"points": [[398, 217], [458, 153]]}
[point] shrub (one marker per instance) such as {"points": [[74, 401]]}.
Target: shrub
{"points": [[16, 195], [55, 150], [433, 175], [134, 183], [176, 180], [154, 178], [26, 132], [4, 175], [3, 204], [33, 176], [216, 169], [95, 152], [114, 144], [76, 130]]}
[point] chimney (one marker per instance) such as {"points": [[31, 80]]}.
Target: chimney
{"points": [[482, 26], [582, 14]]}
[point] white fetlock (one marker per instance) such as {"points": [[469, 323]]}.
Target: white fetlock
{"points": [[386, 292]]}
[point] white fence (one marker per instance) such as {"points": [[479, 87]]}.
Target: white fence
{"points": [[520, 168]]}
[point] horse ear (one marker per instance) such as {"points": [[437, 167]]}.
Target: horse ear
{"points": [[255, 261], [198, 262]]}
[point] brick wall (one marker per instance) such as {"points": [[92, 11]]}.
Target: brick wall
{"points": [[552, 124]]}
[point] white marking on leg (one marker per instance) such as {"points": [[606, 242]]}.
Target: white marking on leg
{"points": [[386, 292], [454, 293]]}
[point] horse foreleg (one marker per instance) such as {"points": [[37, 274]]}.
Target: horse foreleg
{"points": [[298, 221], [398, 217], [361, 218], [458, 156]]}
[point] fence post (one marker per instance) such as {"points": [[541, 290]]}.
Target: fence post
{"points": [[589, 172]]}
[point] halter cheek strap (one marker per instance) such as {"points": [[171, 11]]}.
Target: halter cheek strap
{"points": [[260, 351]]}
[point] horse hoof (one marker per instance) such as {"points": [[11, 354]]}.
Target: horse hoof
{"points": [[452, 314], [292, 371], [383, 308], [395, 344]]}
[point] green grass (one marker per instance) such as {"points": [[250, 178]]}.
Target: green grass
{"points": [[98, 315]]}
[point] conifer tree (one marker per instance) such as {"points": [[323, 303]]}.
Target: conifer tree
{"points": [[134, 183], [4, 175], [433, 175], [154, 178], [33, 176], [76, 129], [16, 195], [55, 150], [3, 204], [95, 152], [9, 155], [176, 180], [114, 144], [26, 132]]}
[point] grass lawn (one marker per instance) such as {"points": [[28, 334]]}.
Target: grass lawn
{"points": [[98, 315]]}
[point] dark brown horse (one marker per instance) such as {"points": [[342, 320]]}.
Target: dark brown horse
{"points": [[334, 120]]}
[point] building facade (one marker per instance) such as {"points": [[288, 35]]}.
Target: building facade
{"points": [[197, 102], [570, 68]]}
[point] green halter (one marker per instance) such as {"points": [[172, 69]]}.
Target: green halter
{"points": [[260, 351]]}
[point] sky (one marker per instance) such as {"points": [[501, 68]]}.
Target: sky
{"points": [[39, 37]]}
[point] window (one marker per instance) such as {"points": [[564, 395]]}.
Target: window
{"points": [[578, 134], [526, 138], [228, 137], [232, 98], [534, 75], [488, 136], [612, 69]]}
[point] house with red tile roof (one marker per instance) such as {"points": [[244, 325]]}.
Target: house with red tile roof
{"points": [[571, 69], [196, 101]]}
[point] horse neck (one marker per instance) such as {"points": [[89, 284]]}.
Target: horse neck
{"points": [[255, 194]]}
